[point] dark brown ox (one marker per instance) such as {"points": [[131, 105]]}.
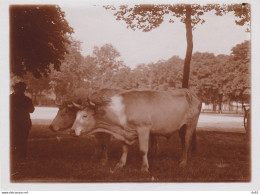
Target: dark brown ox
{"points": [[64, 120], [134, 115], [66, 116]]}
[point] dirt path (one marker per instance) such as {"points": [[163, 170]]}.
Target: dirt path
{"points": [[209, 122]]}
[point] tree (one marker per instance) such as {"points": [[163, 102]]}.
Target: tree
{"points": [[73, 73], [239, 72], [38, 38], [123, 78], [210, 78], [37, 88], [142, 75], [203, 67], [79, 76], [222, 78], [159, 75], [148, 17], [107, 62]]}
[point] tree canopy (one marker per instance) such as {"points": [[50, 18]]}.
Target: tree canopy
{"points": [[147, 17], [238, 69], [222, 78], [72, 72], [38, 38], [103, 68], [216, 79]]}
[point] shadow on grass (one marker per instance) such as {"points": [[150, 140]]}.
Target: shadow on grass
{"points": [[58, 157]]}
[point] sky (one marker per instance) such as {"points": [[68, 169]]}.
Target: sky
{"points": [[96, 26]]}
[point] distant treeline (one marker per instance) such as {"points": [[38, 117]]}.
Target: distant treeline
{"points": [[216, 79]]}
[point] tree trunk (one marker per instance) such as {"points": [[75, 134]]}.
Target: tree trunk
{"points": [[35, 99], [220, 103], [214, 107], [186, 68]]}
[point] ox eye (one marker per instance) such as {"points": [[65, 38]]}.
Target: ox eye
{"points": [[85, 116]]}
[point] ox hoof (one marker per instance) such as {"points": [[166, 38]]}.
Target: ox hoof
{"points": [[183, 164], [145, 170], [111, 171], [118, 166]]}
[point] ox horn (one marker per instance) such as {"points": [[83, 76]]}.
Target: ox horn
{"points": [[70, 105], [76, 105], [91, 103]]}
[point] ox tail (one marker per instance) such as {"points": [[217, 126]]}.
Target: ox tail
{"points": [[182, 134], [194, 139], [195, 108]]}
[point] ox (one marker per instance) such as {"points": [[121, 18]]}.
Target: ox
{"points": [[67, 115], [65, 119], [134, 115]]}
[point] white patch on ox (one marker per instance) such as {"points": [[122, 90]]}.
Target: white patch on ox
{"points": [[118, 108]]}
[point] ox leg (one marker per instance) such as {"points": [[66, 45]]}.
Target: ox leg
{"points": [[100, 152], [104, 157], [104, 140], [123, 158], [154, 144], [188, 138], [182, 132], [96, 151], [143, 139]]}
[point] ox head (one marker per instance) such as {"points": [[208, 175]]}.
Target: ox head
{"points": [[65, 117], [84, 122]]}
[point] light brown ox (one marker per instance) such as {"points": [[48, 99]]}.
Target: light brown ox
{"points": [[134, 115]]}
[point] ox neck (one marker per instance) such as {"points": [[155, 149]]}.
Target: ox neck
{"points": [[128, 134]]}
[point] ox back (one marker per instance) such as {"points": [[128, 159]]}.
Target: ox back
{"points": [[161, 112]]}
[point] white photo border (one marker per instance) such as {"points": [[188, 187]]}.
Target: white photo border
{"points": [[5, 91]]}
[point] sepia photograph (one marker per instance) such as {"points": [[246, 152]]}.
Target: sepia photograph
{"points": [[129, 93]]}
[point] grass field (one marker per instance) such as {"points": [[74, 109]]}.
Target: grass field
{"points": [[221, 156]]}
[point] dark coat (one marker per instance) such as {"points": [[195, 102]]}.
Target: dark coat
{"points": [[20, 108]]}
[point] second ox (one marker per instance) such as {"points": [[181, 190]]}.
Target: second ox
{"points": [[134, 115], [66, 116]]}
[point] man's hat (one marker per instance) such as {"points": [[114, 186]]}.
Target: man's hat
{"points": [[20, 85]]}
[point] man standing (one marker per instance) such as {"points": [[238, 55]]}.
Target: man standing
{"points": [[20, 108]]}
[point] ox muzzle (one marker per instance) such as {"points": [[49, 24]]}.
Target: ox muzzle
{"points": [[72, 133], [52, 128]]}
